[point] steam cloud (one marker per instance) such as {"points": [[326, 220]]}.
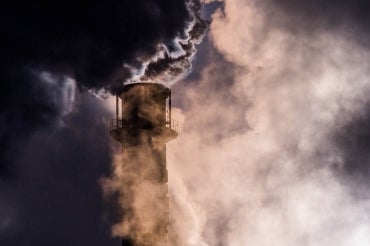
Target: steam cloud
{"points": [[276, 153], [142, 200]]}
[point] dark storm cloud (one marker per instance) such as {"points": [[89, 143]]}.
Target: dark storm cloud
{"points": [[90, 40], [56, 198], [27, 103], [97, 43]]}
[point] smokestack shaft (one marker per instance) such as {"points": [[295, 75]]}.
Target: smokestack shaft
{"points": [[143, 133], [169, 109], [117, 107]]}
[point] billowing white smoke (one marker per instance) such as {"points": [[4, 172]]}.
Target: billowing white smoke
{"points": [[254, 165]]}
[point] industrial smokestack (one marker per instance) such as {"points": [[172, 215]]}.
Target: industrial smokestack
{"points": [[143, 127]]}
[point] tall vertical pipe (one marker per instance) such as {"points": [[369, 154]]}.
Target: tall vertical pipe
{"points": [[169, 109], [143, 137], [117, 109]]}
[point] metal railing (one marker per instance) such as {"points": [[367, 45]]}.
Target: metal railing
{"points": [[172, 124], [119, 123], [116, 124]]}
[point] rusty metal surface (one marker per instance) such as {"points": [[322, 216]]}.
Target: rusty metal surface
{"points": [[119, 123]]}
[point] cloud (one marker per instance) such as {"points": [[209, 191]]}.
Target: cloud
{"points": [[313, 14], [48, 50], [92, 41], [259, 156], [53, 195], [50, 53]]}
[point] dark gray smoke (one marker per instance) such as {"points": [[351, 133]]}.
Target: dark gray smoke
{"points": [[99, 44], [53, 141], [170, 67]]}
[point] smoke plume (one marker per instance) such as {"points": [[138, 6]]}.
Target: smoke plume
{"points": [[142, 201], [174, 61], [51, 51], [274, 146], [139, 173], [99, 46]]}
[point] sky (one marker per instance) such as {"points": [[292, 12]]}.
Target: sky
{"points": [[272, 97]]}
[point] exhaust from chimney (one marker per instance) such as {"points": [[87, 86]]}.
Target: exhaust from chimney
{"points": [[143, 125]]}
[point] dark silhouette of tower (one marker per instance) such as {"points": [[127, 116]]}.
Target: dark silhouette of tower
{"points": [[143, 125]]}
